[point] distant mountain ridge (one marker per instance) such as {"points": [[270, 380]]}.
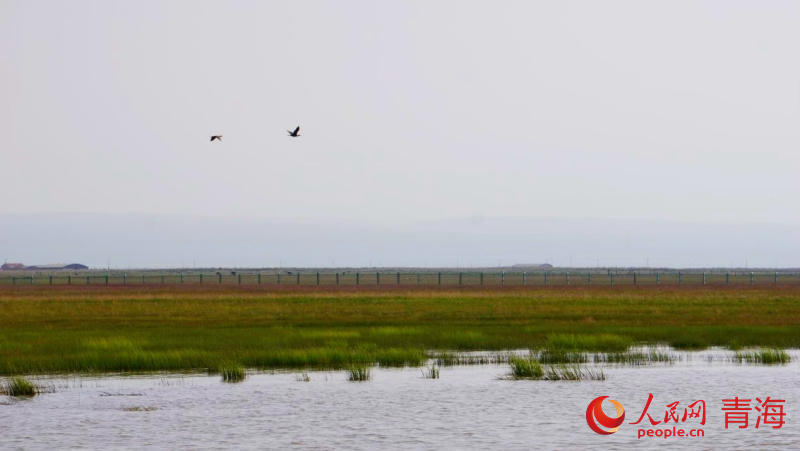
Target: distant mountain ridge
{"points": [[145, 240]]}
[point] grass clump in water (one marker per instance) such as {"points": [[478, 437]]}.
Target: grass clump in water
{"points": [[431, 373], [232, 373], [530, 368], [19, 386], [525, 368], [764, 356], [359, 374], [302, 377]]}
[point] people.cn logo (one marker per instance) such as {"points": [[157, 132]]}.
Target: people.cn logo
{"points": [[595, 415]]}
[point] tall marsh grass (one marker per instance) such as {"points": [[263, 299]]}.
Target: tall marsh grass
{"points": [[530, 368], [624, 358], [637, 357], [18, 386], [525, 368], [358, 374], [452, 358], [232, 373], [763, 356]]}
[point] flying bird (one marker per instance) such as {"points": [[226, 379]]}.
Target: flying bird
{"points": [[294, 134], [219, 137]]}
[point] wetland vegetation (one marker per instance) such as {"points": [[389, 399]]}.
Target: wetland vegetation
{"points": [[359, 373], [232, 372], [65, 329], [530, 368], [18, 386]]}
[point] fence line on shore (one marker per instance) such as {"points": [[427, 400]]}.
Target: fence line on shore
{"points": [[448, 278]]}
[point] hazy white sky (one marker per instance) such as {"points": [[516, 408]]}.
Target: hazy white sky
{"points": [[681, 110]]}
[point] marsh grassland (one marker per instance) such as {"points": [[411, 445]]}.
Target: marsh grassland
{"points": [[63, 329]]}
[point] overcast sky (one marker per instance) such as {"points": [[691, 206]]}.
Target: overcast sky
{"points": [[679, 110]]}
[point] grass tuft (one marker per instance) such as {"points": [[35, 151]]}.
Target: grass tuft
{"points": [[530, 368], [19, 386], [765, 356], [525, 368], [302, 377], [232, 373], [358, 374]]}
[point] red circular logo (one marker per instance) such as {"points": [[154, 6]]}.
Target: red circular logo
{"points": [[595, 414]]}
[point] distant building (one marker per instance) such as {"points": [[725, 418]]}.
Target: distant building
{"points": [[12, 267], [56, 267]]}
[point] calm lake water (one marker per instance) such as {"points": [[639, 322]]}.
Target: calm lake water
{"points": [[467, 408]]}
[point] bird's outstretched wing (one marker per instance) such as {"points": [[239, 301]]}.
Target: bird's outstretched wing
{"points": [[297, 130]]}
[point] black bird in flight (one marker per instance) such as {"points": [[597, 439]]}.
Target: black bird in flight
{"points": [[294, 134], [219, 137]]}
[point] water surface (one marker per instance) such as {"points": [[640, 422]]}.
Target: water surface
{"points": [[468, 407]]}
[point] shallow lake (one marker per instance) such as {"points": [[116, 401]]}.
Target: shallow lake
{"points": [[469, 406]]}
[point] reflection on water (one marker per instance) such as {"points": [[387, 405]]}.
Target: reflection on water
{"points": [[467, 407]]}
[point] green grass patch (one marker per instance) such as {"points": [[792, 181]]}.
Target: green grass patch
{"points": [[555, 357], [232, 373], [530, 368], [525, 368], [762, 356], [19, 386], [358, 374], [76, 329]]}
